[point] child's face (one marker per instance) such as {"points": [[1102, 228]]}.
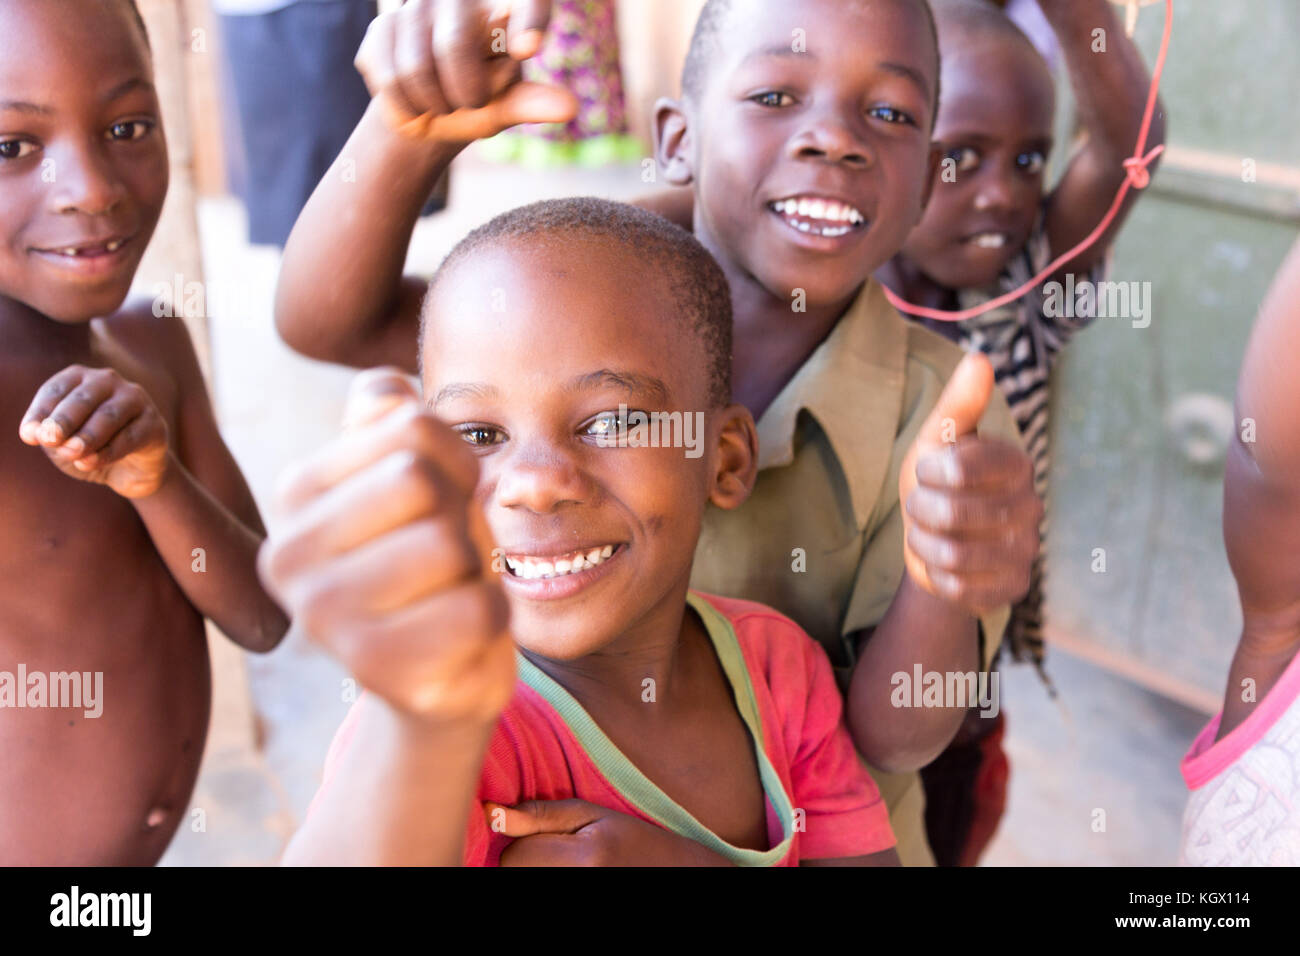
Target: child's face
{"points": [[529, 351], [810, 167], [995, 125], [83, 163]]}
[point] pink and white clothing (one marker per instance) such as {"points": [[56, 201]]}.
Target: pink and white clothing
{"points": [[1245, 803], [821, 802]]}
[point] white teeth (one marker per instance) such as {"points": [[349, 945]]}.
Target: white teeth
{"points": [[530, 569], [822, 210], [68, 252], [115, 245], [989, 240]]}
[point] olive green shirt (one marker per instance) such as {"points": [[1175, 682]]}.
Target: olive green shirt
{"points": [[821, 537]]}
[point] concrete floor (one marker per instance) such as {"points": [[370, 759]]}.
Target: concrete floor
{"points": [[1105, 745]]}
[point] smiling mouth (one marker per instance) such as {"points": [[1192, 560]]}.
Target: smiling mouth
{"points": [[988, 240], [88, 250], [819, 217], [534, 567]]}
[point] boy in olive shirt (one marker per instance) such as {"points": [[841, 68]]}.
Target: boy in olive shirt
{"points": [[810, 161]]}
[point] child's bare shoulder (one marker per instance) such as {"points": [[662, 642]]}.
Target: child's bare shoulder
{"points": [[152, 338], [156, 352]]}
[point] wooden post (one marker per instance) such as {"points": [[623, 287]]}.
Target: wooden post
{"points": [[175, 248], [183, 49]]}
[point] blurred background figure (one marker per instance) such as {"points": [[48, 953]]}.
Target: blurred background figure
{"points": [[295, 96], [581, 54]]}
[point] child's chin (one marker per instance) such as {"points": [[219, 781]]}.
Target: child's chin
{"points": [[544, 642], [807, 293], [968, 276], [79, 309]]}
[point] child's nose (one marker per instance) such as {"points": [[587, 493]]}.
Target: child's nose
{"points": [[84, 181], [830, 139], [539, 478], [996, 193]]}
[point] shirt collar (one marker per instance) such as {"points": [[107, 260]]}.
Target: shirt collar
{"points": [[853, 386]]}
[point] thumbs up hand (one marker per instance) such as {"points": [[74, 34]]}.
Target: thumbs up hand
{"points": [[970, 514]]}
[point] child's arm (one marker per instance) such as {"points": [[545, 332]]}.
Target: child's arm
{"points": [[186, 487], [970, 520], [437, 86], [1261, 501], [578, 833], [381, 561], [1111, 91]]}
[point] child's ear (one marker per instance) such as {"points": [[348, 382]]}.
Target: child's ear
{"points": [[736, 467], [673, 141], [931, 176]]}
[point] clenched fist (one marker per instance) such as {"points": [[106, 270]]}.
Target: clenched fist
{"points": [[380, 557], [448, 70], [96, 426]]}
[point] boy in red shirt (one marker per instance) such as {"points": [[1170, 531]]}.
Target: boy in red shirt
{"points": [[692, 729]]}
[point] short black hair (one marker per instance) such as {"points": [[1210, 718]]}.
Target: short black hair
{"points": [[701, 295], [708, 28]]}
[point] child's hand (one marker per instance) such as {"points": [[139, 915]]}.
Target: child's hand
{"points": [[380, 559], [970, 513], [448, 70], [96, 426], [577, 833]]}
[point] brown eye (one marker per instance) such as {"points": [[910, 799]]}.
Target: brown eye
{"points": [[607, 426], [480, 436], [1031, 163], [772, 99], [129, 130], [16, 149], [891, 115], [965, 158]]}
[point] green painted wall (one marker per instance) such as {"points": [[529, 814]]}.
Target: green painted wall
{"points": [[1123, 480]]}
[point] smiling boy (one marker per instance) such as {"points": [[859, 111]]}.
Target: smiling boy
{"points": [[115, 479], [991, 225], [841, 385], [675, 727]]}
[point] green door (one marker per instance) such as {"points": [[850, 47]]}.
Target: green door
{"points": [[1137, 576]]}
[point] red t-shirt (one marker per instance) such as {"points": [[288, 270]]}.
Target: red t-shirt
{"points": [[821, 802]]}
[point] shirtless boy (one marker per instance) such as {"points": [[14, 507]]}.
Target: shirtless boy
{"points": [[127, 520]]}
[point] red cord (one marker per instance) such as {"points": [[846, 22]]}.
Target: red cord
{"points": [[1138, 177]]}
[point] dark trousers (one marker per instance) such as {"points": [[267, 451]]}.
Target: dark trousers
{"points": [[297, 97]]}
